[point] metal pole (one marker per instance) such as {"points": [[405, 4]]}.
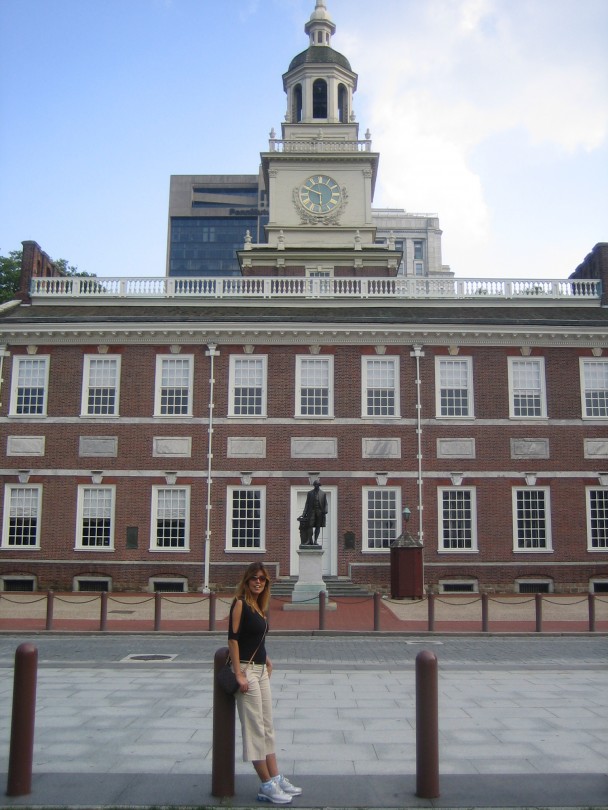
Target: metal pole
{"points": [[539, 612], [211, 353], [321, 610], [431, 610], [103, 611], [22, 727], [50, 598], [212, 601], [377, 603], [591, 598], [484, 612], [427, 726], [222, 765]]}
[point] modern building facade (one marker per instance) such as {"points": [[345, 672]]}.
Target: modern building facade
{"points": [[158, 433]]}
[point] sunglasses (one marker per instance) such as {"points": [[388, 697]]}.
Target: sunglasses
{"points": [[257, 579]]}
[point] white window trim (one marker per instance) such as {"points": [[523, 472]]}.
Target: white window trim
{"points": [[549, 547], [17, 360], [228, 537], [158, 380], [470, 388], [154, 514], [86, 376], [330, 397], [8, 488], [79, 509], [588, 491], [231, 385], [365, 548], [474, 539], [583, 361], [365, 360], [543, 387]]}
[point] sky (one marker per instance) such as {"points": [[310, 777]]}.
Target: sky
{"points": [[492, 114]]}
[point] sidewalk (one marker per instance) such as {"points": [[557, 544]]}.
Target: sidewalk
{"points": [[127, 735], [190, 613]]}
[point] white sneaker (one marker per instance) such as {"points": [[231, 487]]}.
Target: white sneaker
{"points": [[287, 787], [271, 792]]}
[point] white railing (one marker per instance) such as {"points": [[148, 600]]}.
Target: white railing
{"points": [[318, 145], [104, 289]]}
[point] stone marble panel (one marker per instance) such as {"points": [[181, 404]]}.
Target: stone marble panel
{"points": [[25, 445], [596, 448], [172, 446], [456, 448], [529, 448], [381, 448], [98, 446], [246, 447], [304, 447]]}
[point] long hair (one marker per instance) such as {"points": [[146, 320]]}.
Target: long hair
{"points": [[243, 592]]}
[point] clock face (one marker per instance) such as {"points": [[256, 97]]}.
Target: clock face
{"points": [[320, 194]]}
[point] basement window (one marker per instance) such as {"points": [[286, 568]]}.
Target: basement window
{"points": [[168, 585], [599, 586], [18, 584], [534, 586], [458, 586], [92, 584]]}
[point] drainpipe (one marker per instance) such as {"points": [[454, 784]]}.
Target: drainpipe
{"points": [[3, 354], [418, 353], [212, 353]]}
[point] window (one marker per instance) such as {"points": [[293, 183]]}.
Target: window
{"points": [[594, 377], [381, 517], [246, 519], [95, 517], [100, 386], [531, 519], [21, 525], [418, 249], [92, 584], [597, 519], [314, 380], [534, 586], [458, 586], [527, 387], [170, 519], [457, 519], [29, 386], [247, 386], [380, 392], [319, 98], [453, 386], [173, 386]]}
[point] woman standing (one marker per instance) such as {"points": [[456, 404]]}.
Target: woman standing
{"points": [[247, 629]]}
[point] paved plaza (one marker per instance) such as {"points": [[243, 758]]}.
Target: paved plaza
{"points": [[523, 720]]}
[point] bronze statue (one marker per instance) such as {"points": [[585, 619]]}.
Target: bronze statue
{"points": [[314, 515]]}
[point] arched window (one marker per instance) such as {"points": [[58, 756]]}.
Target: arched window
{"points": [[319, 99], [297, 104], [342, 104]]}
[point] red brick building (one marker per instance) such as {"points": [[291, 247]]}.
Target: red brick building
{"points": [[158, 433]]}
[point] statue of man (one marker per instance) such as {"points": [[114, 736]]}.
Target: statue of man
{"points": [[314, 515]]}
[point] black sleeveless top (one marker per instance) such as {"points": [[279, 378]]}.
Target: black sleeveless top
{"points": [[250, 634]]}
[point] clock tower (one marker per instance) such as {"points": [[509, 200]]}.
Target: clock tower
{"points": [[319, 175]]}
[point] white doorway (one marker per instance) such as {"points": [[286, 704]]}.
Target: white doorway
{"points": [[327, 538]]}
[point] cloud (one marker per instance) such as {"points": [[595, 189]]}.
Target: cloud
{"points": [[449, 77]]}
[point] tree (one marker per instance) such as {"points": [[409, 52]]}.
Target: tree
{"points": [[10, 273]]}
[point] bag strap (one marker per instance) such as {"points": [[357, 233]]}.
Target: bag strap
{"points": [[256, 649]]}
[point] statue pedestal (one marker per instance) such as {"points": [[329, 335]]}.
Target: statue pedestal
{"points": [[310, 583]]}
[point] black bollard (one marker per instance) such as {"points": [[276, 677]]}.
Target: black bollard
{"points": [[431, 610], [484, 613], [158, 606], [50, 601], [222, 765], [427, 726], [377, 602], [212, 601], [322, 601], [591, 598], [539, 612], [103, 611], [22, 726]]}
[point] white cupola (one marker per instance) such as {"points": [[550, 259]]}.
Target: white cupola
{"points": [[320, 27]]}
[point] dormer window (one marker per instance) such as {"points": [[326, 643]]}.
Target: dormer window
{"points": [[319, 99]]}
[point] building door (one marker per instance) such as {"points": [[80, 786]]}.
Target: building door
{"points": [[327, 537]]}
